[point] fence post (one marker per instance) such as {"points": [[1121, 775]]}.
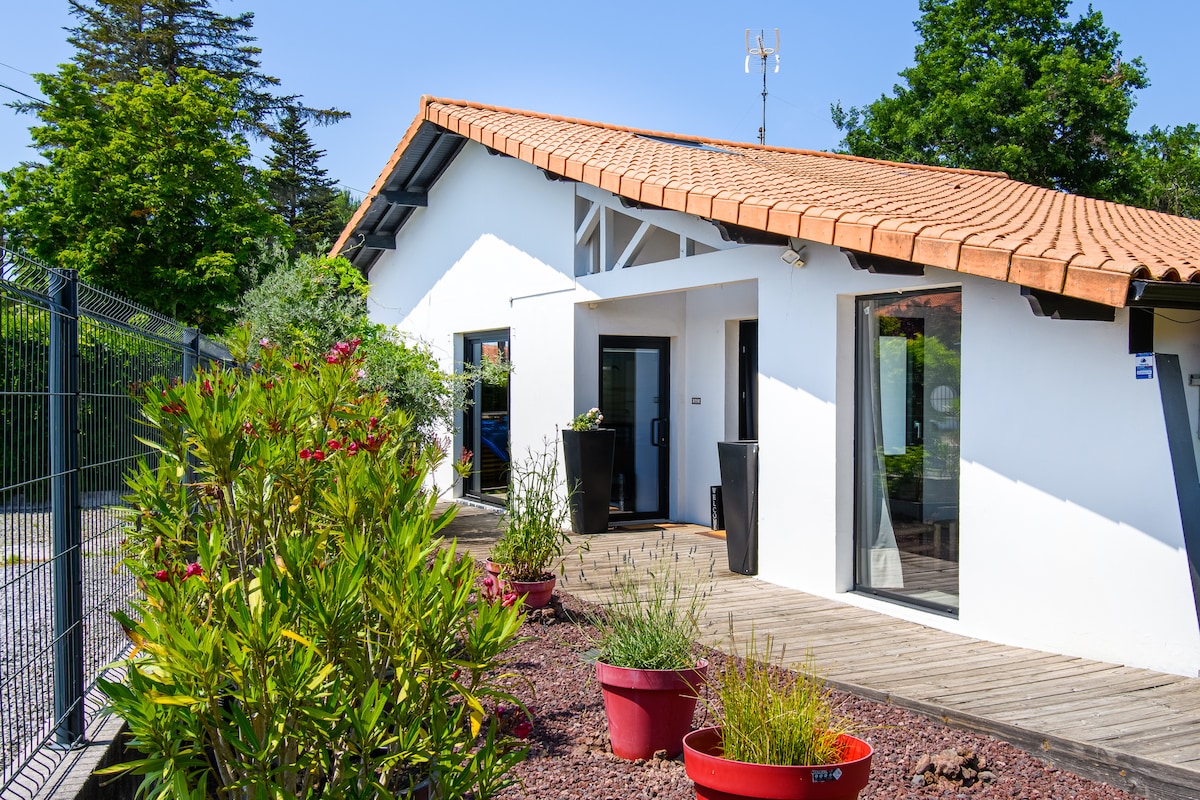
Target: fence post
{"points": [[67, 570], [191, 352]]}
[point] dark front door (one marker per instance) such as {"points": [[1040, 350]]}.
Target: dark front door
{"points": [[634, 398], [485, 420]]}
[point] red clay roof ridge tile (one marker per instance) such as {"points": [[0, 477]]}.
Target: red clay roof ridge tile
{"points": [[427, 100]]}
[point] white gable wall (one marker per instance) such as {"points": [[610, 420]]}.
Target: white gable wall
{"points": [[493, 250], [1070, 537]]}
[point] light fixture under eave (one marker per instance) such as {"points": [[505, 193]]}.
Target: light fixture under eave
{"points": [[794, 257]]}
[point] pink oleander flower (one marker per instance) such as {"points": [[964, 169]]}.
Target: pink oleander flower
{"points": [[333, 445], [305, 453], [352, 448], [522, 729], [162, 575], [193, 570], [318, 455], [509, 599], [297, 365]]}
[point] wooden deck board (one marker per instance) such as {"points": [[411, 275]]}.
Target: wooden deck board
{"points": [[1132, 728]]}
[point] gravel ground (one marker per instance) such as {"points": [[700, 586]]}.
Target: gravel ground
{"points": [[27, 619], [569, 755]]}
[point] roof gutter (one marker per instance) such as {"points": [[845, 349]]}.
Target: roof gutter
{"points": [[1163, 294]]}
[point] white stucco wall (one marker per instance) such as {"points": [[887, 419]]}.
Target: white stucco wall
{"points": [[493, 250], [1070, 536]]}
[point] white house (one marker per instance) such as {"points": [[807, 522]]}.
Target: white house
{"points": [[940, 365]]}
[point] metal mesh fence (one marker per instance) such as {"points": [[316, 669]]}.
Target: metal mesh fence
{"points": [[70, 354]]}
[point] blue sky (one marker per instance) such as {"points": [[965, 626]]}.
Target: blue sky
{"points": [[670, 66]]}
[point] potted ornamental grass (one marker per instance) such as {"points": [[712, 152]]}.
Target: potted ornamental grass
{"points": [[588, 458], [533, 534], [778, 735], [647, 667]]}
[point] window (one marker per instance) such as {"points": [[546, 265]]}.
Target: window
{"points": [[907, 447]]}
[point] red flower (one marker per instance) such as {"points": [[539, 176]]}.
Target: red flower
{"points": [[372, 422], [305, 453], [297, 365], [333, 445], [509, 599], [522, 729], [193, 570], [162, 575], [352, 448], [331, 359], [318, 455]]}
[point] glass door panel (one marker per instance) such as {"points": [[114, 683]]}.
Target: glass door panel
{"points": [[907, 448], [485, 421], [634, 383]]}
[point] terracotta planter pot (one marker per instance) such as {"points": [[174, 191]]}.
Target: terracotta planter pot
{"points": [[718, 778], [537, 594], [649, 709], [492, 570]]}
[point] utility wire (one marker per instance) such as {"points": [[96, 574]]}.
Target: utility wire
{"points": [[37, 100]]}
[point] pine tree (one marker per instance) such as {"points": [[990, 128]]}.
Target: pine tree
{"points": [[299, 190], [116, 39]]}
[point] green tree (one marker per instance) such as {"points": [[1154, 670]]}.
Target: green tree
{"points": [[116, 39], [1009, 85], [313, 303], [299, 190], [1168, 168], [144, 190]]}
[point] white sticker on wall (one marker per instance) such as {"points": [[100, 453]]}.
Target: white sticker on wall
{"points": [[1143, 366]]}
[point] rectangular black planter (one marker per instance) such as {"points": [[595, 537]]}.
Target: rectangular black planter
{"points": [[739, 494], [588, 458]]}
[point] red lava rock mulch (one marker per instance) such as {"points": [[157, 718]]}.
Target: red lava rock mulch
{"points": [[915, 757]]}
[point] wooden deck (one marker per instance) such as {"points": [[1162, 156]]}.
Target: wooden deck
{"points": [[1132, 728]]}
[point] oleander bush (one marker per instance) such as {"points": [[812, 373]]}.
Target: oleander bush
{"points": [[303, 631]]}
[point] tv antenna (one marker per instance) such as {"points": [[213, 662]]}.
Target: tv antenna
{"points": [[763, 53]]}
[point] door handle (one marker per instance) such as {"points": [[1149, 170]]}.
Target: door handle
{"points": [[659, 429]]}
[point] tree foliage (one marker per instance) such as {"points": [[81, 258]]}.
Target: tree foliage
{"points": [[1168, 170], [116, 39], [144, 190], [1013, 86], [299, 190], [312, 303]]}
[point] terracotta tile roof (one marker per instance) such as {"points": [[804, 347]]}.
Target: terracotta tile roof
{"points": [[979, 223]]}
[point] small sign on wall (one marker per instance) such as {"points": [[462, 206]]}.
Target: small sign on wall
{"points": [[1143, 366]]}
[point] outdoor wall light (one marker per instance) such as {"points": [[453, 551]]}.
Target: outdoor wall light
{"points": [[794, 257]]}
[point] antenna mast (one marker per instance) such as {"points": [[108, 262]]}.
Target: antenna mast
{"points": [[763, 53]]}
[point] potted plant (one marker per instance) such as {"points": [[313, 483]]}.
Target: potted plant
{"points": [[777, 735], [647, 668], [532, 531], [588, 455]]}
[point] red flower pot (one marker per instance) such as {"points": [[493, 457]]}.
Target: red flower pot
{"points": [[649, 709], [718, 778], [536, 593], [492, 570]]}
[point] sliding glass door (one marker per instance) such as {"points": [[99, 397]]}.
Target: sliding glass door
{"points": [[907, 447], [485, 420]]}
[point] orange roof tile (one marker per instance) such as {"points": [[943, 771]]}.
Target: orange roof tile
{"points": [[982, 223]]}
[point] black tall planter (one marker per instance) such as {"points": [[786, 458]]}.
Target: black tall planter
{"points": [[589, 463], [739, 493]]}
